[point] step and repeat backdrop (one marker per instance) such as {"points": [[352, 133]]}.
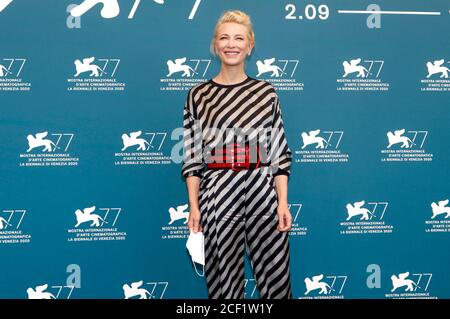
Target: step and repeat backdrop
{"points": [[92, 201]]}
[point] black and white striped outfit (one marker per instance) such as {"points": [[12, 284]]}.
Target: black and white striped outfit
{"points": [[239, 209]]}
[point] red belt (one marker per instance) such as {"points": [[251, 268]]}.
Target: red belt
{"points": [[235, 156]]}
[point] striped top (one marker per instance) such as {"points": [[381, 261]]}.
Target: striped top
{"points": [[250, 108]]}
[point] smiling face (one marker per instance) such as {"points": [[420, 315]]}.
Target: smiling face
{"points": [[232, 43]]}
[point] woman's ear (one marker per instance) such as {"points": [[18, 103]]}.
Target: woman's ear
{"points": [[250, 50]]}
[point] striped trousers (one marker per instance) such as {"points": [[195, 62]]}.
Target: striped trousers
{"points": [[238, 213]]}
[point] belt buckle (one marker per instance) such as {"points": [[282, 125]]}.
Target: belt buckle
{"points": [[233, 166], [236, 169]]}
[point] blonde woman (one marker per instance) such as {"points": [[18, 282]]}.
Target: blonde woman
{"points": [[237, 179]]}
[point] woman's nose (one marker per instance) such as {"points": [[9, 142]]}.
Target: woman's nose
{"points": [[231, 43]]}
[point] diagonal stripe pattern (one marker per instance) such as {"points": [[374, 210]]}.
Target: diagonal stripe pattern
{"points": [[239, 208]]}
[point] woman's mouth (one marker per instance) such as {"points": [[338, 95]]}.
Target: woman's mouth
{"points": [[231, 53]]}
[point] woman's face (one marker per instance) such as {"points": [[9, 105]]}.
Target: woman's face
{"points": [[232, 43]]}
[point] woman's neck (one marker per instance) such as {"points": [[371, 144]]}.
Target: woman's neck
{"points": [[230, 75]]}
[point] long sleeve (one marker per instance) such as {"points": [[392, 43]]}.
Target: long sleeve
{"points": [[193, 164], [280, 154]]}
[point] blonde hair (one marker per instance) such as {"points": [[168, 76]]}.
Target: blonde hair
{"points": [[235, 16]]}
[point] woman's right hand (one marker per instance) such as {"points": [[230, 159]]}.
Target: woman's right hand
{"points": [[194, 220]]}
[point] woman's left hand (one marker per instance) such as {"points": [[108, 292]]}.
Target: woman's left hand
{"points": [[284, 218]]}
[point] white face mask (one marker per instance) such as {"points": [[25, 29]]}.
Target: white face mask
{"points": [[196, 247]]}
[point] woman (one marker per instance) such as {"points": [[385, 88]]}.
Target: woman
{"points": [[238, 204]]}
